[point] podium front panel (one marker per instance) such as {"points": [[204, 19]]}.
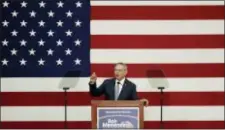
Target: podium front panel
{"points": [[118, 117]]}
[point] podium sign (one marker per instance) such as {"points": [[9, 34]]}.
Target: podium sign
{"points": [[117, 117], [117, 114]]}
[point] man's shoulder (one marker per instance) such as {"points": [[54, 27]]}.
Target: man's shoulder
{"points": [[110, 80], [130, 82]]}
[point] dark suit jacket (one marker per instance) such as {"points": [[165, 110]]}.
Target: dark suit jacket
{"points": [[128, 91]]}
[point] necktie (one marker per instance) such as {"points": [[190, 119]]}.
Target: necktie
{"points": [[117, 90]]}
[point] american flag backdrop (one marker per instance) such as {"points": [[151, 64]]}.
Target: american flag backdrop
{"points": [[41, 40]]}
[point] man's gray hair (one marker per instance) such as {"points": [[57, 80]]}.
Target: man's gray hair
{"points": [[121, 63]]}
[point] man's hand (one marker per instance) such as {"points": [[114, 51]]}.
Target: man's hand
{"points": [[144, 101], [93, 78]]}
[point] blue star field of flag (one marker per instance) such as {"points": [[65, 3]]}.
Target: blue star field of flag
{"points": [[45, 38]]}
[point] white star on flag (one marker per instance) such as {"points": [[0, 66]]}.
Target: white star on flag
{"points": [[77, 42], [78, 4], [41, 42], [23, 43], [5, 23], [5, 62], [78, 23], [77, 61], [23, 62], [41, 62], [32, 33], [13, 51], [23, 4], [5, 4], [41, 23], [68, 51], [51, 14], [50, 52], [69, 13], [59, 23], [32, 14], [5, 43], [32, 52], [42, 4], [23, 23], [59, 42], [50, 33], [60, 4], [68, 33], [14, 33], [14, 13], [59, 62]]}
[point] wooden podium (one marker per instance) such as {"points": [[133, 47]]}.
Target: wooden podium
{"points": [[126, 114]]}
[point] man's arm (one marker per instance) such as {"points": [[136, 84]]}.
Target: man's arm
{"points": [[94, 91], [134, 93]]}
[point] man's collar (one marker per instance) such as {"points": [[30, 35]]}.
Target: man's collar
{"points": [[121, 81]]}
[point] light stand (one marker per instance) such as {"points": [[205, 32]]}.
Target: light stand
{"points": [[161, 106], [65, 105]]}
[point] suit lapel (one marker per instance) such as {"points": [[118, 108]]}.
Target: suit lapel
{"points": [[113, 89], [123, 91]]}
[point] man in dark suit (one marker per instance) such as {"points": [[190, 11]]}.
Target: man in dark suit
{"points": [[117, 88]]}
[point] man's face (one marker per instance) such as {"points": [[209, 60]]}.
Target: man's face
{"points": [[120, 72]]}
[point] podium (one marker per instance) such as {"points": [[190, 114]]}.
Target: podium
{"points": [[109, 114]]}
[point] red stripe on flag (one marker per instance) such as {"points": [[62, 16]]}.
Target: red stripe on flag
{"points": [[157, 41], [170, 70], [87, 125], [57, 98], [156, 12]]}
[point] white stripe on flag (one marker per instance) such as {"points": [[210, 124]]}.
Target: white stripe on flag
{"points": [[154, 3], [157, 55], [83, 113], [170, 27], [81, 84]]}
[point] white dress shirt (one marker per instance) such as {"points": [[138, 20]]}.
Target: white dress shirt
{"points": [[120, 85]]}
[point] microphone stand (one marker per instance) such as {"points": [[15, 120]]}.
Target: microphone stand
{"points": [[161, 106], [65, 105]]}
